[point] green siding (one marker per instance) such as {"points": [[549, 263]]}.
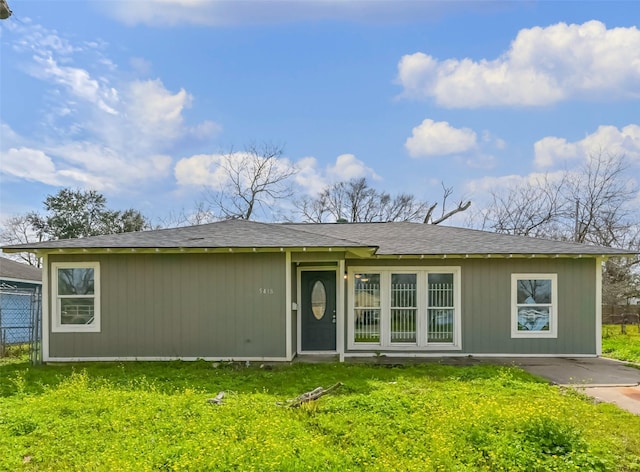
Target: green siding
{"points": [[184, 305], [486, 304], [210, 305]]}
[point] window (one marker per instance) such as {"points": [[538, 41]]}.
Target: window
{"points": [[440, 308], [367, 308], [534, 306], [404, 308], [76, 297]]}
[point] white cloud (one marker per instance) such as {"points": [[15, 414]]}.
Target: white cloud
{"points": [[349, 167], [103, 131], [202, 170], [480, 190], [9, 138], [155, 112], [78, 82], [439, 138], [542, 66], [308, 178], [552, 150], [29, 164], [209, 170], [206, 170]]}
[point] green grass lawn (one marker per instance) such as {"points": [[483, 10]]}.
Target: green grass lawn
{"points": [[155, 416], [625, 347]]}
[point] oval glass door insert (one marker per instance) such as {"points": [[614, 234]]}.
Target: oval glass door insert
{"points": [[318, 300]]}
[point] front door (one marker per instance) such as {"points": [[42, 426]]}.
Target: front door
{"points": [[318, 315]]}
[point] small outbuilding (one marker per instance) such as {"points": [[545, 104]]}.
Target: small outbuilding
{"points": [[241, 290], [19, 290]]}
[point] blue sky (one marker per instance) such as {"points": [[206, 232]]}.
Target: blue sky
{"points": [[138, 99]]}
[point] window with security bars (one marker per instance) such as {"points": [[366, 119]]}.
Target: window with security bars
{"points": [[367, 308], [403, 308], [440, 308]]}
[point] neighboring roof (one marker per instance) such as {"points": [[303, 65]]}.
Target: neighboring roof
{"points": [[401, 238], [12, 270]]}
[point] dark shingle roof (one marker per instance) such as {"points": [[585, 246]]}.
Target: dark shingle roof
{"points": [[416, 238], [222, 234], [16, 271], [386, 238]]}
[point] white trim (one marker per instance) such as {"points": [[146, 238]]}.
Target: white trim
{"points": [[44, 306], [319, 353], [287, 303], [339, 309], [284, 359], [459, 354], [340, 298], [166, 358], [422, 309], [599, 261], [553, 307], [56, 326]]}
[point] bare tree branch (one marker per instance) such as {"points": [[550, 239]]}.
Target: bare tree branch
{"points": [[253, 180], [593, 205], [18, 230], [356, 201]]}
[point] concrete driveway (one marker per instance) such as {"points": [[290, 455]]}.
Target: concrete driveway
{"points": [[605, 380]]}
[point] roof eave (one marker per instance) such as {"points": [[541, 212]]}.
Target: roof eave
{"points": [[490, 255], [365, 251]]}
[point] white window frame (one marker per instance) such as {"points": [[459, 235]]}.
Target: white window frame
{"points": [[56, 325], [421, 313], [553, 307]]}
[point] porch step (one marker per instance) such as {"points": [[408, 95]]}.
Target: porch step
{"points": [[316, 358]]}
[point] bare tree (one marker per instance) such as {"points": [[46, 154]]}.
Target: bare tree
{"points": [[356, 201], [200, 214], [251, 181], [18, 230], [598, 197], [533, 208], [593, 205]]}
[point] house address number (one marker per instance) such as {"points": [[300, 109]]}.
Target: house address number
{"points": [[265, 291]]}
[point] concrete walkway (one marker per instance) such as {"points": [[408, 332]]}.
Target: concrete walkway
{"points": [[606, 380]]}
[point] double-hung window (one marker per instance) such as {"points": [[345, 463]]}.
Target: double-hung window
{"points": [[75, 288], [534, 306], [403, 308]]}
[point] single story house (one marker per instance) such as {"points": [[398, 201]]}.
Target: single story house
{"points": [[242, 290], [19, 286]]}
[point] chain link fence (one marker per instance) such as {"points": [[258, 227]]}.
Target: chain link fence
{"points": [[20, 322]]}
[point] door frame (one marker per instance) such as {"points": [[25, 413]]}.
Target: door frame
{"points": [[340, 291]]}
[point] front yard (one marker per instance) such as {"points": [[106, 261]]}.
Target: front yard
{"points": [[155, 416]]}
